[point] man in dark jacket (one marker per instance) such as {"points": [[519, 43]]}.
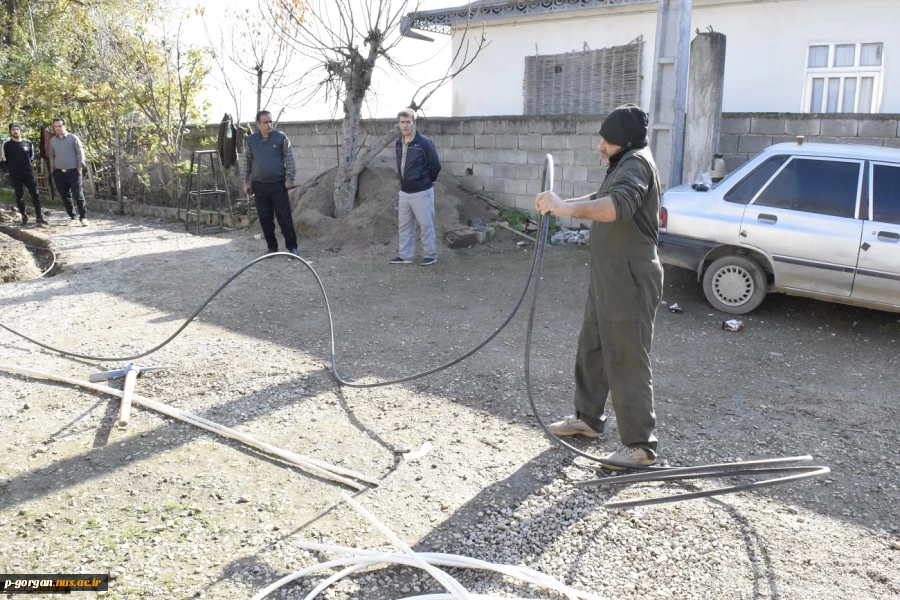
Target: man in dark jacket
{"points": [[613, 357], [269, 168], [417, 169], [17, 153]]}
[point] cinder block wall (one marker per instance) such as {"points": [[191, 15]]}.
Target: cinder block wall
{"points": [[502, 157], [744, 135]]}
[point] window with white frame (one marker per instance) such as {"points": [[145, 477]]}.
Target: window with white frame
{"points": [[843, 78]]}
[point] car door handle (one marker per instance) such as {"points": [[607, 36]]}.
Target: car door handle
{"points": [[888, 236], [766, 218]]}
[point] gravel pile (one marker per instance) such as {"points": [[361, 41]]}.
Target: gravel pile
{"points": [[173, 512]]}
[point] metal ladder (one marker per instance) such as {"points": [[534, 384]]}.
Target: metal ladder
{"points": [[195, 197]]}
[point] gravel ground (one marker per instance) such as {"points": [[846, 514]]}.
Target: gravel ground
{"points": [[175, 512]]}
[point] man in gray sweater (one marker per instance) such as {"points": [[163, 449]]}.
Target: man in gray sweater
{"points": [[66, 163], [269, 168]]}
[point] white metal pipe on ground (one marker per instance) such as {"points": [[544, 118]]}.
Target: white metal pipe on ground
{"points": [[314, 466]]}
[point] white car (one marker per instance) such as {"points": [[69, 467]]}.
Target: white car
{"points": [[816, 220]]}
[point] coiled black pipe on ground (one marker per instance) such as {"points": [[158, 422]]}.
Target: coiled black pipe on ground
{"points": [[650, 473]]}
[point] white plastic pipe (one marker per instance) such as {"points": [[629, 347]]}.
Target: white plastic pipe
{"points": [[452, 585], [312, 465]]}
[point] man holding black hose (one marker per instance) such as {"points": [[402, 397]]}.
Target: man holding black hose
{"points": [[613, 356]]}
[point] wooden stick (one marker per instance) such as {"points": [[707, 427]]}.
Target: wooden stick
{"points": [[127, 392], [317, 467], [508, 228]]}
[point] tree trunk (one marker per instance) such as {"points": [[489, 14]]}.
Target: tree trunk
{"points": [[346, 182], [259, 76]]}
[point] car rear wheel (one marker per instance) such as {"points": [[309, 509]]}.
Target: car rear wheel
{"points": [[735, 284]]}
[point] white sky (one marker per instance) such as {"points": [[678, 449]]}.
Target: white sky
{"points": [[390, 92]]}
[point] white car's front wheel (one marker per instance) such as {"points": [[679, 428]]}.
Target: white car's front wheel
{"points": [[735, 284]]}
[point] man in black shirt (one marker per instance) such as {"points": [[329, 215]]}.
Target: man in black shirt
{"points": [[17, 153]]}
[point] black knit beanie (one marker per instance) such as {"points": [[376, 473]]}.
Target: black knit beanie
{"points": [[11, 125], [626, 126]]}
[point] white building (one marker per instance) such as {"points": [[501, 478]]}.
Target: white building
{"points": [[820, 56]]}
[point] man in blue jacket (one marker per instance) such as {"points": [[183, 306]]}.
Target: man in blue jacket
{"points": [[417, 169]]}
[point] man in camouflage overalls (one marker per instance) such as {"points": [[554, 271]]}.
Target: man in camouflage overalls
{"points": [[613, 357]]}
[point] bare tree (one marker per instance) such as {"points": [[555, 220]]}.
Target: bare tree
{"points": [[344, 40], [248, 53]]}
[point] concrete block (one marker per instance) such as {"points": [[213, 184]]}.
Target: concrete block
{"points": [[471, 155], [492, 184], [483, 170], [803, 126], [496, 126], [302, 152], [878, 128], [739, 125], [452, 126], [529, 142], [528, 172], [767, 125], [463, 141], [472, 126], [819, 139], [553, 142], [579, 142], [516, 157], [587, 158], [582, 188], [564, 157], [734, 161], [563, 126], [576, 173], [505, 171], [506, 141], [596, 174], [534, 188], [442, 140], [536, 157], [728, 144], [861, 141], [460, 169], [540, 126], [840, 127], [525, 202], [754, 143], [515, 186], [892, 143], [783, 139], [485, 141], [588, 126], [565, 189], [451, 154]]}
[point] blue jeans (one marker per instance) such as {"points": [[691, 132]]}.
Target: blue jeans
{"points": [[416, 208]]}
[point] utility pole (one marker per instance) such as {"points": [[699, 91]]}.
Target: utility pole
{"points": [[668, 92]]}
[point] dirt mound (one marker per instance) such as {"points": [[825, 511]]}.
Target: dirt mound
{"points": [[16, 262], [374, 220]]}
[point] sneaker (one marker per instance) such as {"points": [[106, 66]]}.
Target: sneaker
{"points": [[427, 262], [635, 455], [83, 222], [294, 251], [24, 220], [399, 260], [42, 223], [572, 425]]}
